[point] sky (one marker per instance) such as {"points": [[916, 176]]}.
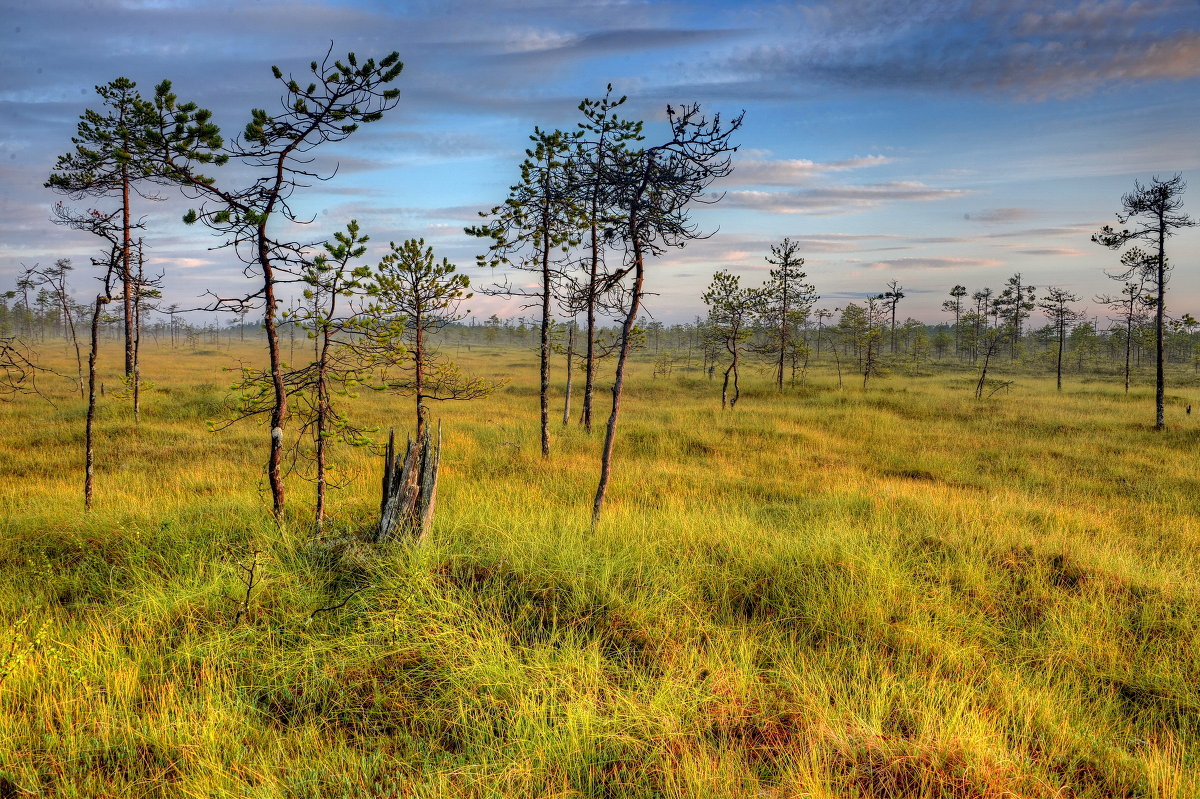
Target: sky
{"points": [[930, 143]]}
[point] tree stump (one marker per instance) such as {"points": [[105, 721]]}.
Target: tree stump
{"points": [[409, 487]]}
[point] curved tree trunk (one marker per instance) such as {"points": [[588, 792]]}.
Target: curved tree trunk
{"points": [[279, 409], [89, 436], [610, 432]]}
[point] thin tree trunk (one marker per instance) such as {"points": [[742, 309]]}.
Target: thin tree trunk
{"points": [[610, 432], [136, 377], [589, 379], [570, 364], [70, 326], [783, 331], [544, 393], [279, 409], [736, 390], [89, 436], [987, 357], [419, 372], [1128, 343], [1062, 336], [322, 418], [1160, 421], [127, 270]]}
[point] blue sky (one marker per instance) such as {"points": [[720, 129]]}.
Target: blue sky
{"points": [[932, 143]]}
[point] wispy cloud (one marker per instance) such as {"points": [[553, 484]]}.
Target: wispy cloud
{"points": [[992, 216], [838, 199], [796, 171], [1023, 47], [934, 263], [1066, 252]]}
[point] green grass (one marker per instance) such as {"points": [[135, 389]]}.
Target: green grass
{"points": [[828, 593]]}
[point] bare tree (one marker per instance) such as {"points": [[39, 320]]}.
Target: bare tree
{"points": [[1158, 209], [18, 368], [653, 188], [988, 345], [55, 279], [603, 136]]}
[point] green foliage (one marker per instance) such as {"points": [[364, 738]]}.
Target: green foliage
{"points": [[410, 284]]}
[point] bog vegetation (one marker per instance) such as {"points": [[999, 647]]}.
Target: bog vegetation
{"points": [[831, 552]]}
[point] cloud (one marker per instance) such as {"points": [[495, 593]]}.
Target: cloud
{"points": [[796, 171], [1020, 47], [993, 216], [1055, 251], [539, 45], [935, 263], [1073, 231], [838, 199]]}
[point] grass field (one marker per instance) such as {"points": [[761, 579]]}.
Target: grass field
{"points": [[902, 593]]}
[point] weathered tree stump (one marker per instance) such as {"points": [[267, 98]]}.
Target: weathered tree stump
{"points": [[409, 487]]}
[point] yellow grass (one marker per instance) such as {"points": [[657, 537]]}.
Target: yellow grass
{"points": [[827, 593]]}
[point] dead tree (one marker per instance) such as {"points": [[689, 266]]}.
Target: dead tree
{"points": [[409, 487], [55, 278], [107, 227], [603, 136], [653, 189]]}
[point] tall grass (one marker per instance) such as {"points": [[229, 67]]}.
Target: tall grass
{"points": [[903, 592]]}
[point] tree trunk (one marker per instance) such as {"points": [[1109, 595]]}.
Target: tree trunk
{"points": [[127, 269], [1062, 338], [610, 432], [322, 418], [419, 372], [1128, 343], [410, 487], [279, 409], [544, 392], [1160, 421], [136, 376], [89, 436], [783, 331], [570, 365], [987, 356], [590, 365], [736, 391]]}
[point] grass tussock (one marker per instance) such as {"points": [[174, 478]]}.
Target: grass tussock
{"points": [[827, 593]]}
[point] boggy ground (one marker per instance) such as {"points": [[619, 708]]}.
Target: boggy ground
{"points": [[902, 593]]}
